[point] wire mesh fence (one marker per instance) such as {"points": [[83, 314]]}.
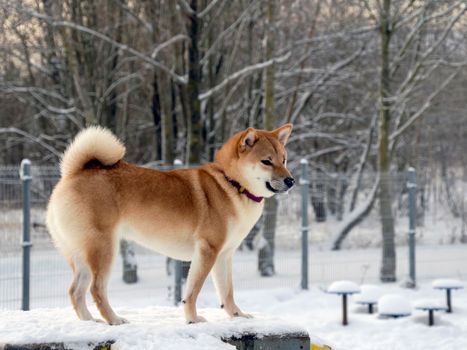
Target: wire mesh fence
{"points": [[330, 195]]}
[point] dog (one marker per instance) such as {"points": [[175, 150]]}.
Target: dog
{"points": [[199, 214]]}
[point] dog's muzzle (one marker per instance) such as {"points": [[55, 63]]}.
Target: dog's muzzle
{"points": [[280, 186]]}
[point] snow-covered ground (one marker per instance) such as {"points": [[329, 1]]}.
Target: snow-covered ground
{"points": [[159, 327], [156, 324]]}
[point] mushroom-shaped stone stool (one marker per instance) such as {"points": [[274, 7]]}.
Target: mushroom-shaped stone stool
{"points": [[431, 306], [369, 295], [394, 306], [448, 285], [344, 288]]}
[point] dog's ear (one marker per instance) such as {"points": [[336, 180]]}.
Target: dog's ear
{"points": [[248, 139], [283, 133]]}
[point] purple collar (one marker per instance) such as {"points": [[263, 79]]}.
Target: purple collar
{"points": [[243, 190]]}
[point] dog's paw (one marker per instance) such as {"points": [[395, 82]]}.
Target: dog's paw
{"points": [[242, 314], [197, 319], [92, 319], [118, 321]]}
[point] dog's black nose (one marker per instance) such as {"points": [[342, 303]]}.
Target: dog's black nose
{"points": [[289, 181]]}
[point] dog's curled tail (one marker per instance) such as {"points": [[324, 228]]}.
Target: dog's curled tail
{"points": [[91, 143]]}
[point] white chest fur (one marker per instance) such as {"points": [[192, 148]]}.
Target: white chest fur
{"points": [[247, 214]]}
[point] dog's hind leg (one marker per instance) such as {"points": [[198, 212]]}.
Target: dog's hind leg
{"points": [[202, 262], [99, 257], [222, 277], [78, 288]]}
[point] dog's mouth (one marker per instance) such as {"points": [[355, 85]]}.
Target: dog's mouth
{"points": [[275, 190]]}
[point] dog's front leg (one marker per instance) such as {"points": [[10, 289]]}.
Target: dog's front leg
{"points": [[202, 262], [222, 276]]}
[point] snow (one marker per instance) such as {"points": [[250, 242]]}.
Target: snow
{"points": [[394, 305], [446, 283], [369, 294], [343, 287], [150, 328], [159, 327], [425, 304]]}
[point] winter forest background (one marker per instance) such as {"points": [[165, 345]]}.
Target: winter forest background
{"points": [[372, 87]]}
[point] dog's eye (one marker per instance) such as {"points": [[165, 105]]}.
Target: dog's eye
{"points": [[266, 162]]}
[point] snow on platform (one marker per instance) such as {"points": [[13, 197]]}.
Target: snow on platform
{"points": [[149, 328]]}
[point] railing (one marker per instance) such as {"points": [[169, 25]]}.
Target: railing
{"points": [[302, 253]]}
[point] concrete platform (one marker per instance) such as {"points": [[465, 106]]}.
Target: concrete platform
{"points": [[149, 328], [249, 341]]}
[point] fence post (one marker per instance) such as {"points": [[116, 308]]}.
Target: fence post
{"points": [[412, 188], [304, 185], [178, 275], [25, 175]]}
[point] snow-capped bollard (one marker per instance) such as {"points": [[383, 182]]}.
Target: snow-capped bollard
{"points": [[412, 188], [344, 288], [26, 177], [304, 184]]}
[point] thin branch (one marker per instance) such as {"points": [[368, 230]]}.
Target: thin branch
{"points": [[220, 38], [32, 138], [423, 108], [413, 74], [339, 65], [176, 38], [241, 73], [123, 47], [208, 8]]}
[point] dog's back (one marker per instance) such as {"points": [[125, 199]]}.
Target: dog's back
{"points": [[99, 192]]}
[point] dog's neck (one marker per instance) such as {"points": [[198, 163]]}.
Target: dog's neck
{"points": [[243, 190]]}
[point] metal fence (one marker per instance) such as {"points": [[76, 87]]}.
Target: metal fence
{"points": [[299, 254]]}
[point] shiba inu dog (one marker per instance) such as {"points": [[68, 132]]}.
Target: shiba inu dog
{"points": [[199, 215]]}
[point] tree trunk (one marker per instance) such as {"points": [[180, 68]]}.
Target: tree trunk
{"points": [[266, 253], [318, 196], [130, 268], [193, 152], [388, 264], [156, 116], [448, 186], [167, 119]]}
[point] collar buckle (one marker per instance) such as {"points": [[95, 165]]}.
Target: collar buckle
{"points": [[243, 190]]}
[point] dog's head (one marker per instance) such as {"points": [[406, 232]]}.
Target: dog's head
{"points": [[258, 160]]}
